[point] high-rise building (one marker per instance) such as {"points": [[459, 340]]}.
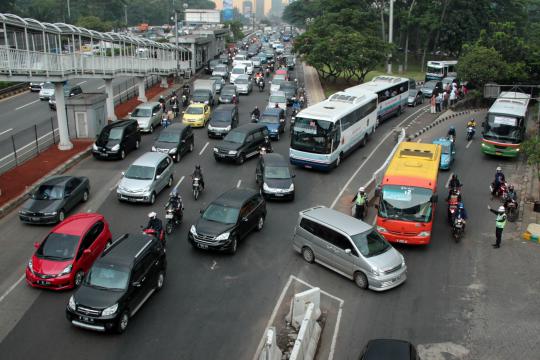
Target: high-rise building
{"points": [[247, 8], [259, 9], [277, 7]]}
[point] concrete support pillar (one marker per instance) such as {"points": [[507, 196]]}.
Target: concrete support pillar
{"points": [[63, 131], [193, 59], [142, 90], [110, 100], [164, 84]]}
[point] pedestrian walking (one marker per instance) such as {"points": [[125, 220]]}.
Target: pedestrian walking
{"points": [[446, 96], [500, 223], [438, 102], [433, 104], [453, 96]]}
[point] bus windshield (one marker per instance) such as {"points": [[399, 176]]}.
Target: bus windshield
{"points": [[313, 136], [503, 128], [434, 70], [406, 203]]}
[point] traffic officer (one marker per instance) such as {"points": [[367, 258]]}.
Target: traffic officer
{"points": [[500, 223], [360, 200]]}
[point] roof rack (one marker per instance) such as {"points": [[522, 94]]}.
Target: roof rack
{"points": [[114, 244]]}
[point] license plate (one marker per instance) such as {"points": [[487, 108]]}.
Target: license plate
{"points": [[307, 166], [221, 155], [401, 241], [498, 153], [86, 319], [169, 216], [279, 195], [104, 154], [35, 219], [43, 283], [202, 246]]}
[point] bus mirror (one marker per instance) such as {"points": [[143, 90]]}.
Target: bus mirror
{"points": [[434, 198]]}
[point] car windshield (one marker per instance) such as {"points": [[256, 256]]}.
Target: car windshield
{"points": [[406, 203], [228, 91], [48, 192], [194, 110], [241, 81], [139, 172], [221, 214], [277, 99], [315, 136], [370, 243], [413, 92], [47, 85], [277, 172], [238, 71], [236, 137], [503, 128], [169, 137], [269, 119], [217, 79], [115, 134], [108, 276], [221, 116], [59, 247], [220, 68], [142, 112]]}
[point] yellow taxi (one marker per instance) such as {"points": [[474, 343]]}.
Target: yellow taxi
{"points": [[196, 115]]}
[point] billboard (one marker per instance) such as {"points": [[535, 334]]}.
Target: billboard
{"points": [[228, 10], [196, 16]]}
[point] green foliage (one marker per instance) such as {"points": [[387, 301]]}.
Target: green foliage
{"points": [[531, 149], [235, 27], [94, 23], [481, 65]]}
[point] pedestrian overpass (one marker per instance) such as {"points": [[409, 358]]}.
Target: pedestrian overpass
{"points": [[34, 51]]}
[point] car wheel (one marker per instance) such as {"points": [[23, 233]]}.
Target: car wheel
{"points": [[151, 130], [169, 184], [191, 146], [339, 159], [137, 144], [241, 159], [234, 246], [360, 280], [77, 280], [152, 198], [308, 255], [85, 196], [109, 243], [277, 138], [61, 215], [160, 280], [364, 141], [122, 154], [260, 223], [122, 322]]}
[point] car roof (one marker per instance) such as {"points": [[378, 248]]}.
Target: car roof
{"points": [[77, 224], [248, 127], [243, 76], [149, 158], [57, 180], [197, 105], [338, 219], [387, 349], [147, 105], [274, 159], [175, 128], [229, 86], [228, 108], [235, 197], [272, 111], [123, 250], [121, 123], [277, 93]]}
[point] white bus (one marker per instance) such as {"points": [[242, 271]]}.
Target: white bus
{"points": [[392, 93], [323, 134], [438, 70]]}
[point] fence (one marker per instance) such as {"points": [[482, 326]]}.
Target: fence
{"points": [[128, 89]]}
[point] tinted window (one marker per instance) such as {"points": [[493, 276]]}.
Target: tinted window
{"points": [[221, 214], [370, 243], [222, 116], [235, 137], [169, 137], [139, 112], [58, 247], [49, 192], [107, 276], [277, 172], [139, 172]]}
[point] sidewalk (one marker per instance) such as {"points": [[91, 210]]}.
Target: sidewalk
{"points": [[312, 85]]}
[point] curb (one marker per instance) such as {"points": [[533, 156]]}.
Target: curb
{"points": [[12, 204], [440, 120], [14, 92]]}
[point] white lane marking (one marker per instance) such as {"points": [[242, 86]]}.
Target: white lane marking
{"points": [[179, 182], [238, 183], [6, 131], [82, 82], [448, 181], [30, 103], [101, 87], [213, 265], [468, 144], [4, 295], [204, 148], [390, 133]]}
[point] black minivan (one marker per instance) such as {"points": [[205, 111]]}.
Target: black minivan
{"points": [[128, 272], [241, 143], [117, 139], [176, 140], [224, 118], [274, 177], [228, 219]]}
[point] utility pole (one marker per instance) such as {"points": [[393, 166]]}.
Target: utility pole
{"points": [[69, 10], [176, 41], [390, 34], [125, 14]]}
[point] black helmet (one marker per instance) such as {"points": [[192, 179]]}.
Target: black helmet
{"points": [[454, 176], [510, 187]]}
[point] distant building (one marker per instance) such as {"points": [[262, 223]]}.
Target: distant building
{"points": [[277, 7], [259, 9], [247, 8]]}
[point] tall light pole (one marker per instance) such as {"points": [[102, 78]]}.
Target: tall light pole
{"points": [[390, 34], [125, 14], [69, 10]]}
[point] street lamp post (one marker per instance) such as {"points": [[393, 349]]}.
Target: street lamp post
{"points": [[390, 34]]}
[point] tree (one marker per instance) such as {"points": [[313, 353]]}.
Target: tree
{"points": [[235, 27], [94, 23], [481, 65], [531, 149]]}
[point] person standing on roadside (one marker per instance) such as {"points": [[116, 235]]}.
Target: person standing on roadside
{"points": [[433, 104], [438, 102], [500, 223], [446, 96], [453, 96], [360, 201]]}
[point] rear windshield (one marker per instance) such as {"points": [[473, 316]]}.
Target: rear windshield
{"points": [[235, 137], [238, 71], [221, 116]]}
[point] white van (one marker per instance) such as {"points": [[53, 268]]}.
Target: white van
{"points": [[248, 64], [236, 72], [237, 58]]}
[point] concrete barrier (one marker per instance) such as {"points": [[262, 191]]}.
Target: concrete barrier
{"points": [[299, 306], [270, 350], [305, 345]]}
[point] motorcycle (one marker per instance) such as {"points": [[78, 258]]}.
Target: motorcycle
{"points": [[293, 119], [197, 187], [452, 138], [153, 232], [173, 216], [458, 229], [470, 132], [453, 202], [254, 118], [501, 192], [267, 72], [511, 210], [260, 84], [185, 102]]}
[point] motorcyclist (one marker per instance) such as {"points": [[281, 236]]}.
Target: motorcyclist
{"points": [[452, 132], [511, 196], [499, 180], [471, 123], [154, 223], [256, 113], [197, 173], [361, 201], [453, 184], [162, 102], [260, 83], [266, 147], [176, 201]]}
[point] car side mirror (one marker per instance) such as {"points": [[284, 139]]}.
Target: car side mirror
{"points": [[201, 211], [67, 194], [348, 251], [136, 284], [245, 219], [158, 177], [376, 206], [123, 173], [36, 245], [293, 175], [87, 252], [129, 113]]}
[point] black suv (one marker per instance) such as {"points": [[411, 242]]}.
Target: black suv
{"points": [[241, 143], [274, 177], [120, 281], [224, 118], [117, 139], [389, 349], [228, 219], [175, 140]]}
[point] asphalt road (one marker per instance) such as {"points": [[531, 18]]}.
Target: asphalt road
{"points": [[215, 306]]}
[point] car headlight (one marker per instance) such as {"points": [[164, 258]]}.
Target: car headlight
{"points": [[291, 188], [154, 148], [223, 236], [402, 260], [210, 127], [228, 128], [424, 234], [266, 187], [50, 213], [67, 270], [110, 310], [72, 304], [115, 147], [193, 230], [375, 271], [173, 151], [30, 266], [94, 147], [233, 152], [381, 229]]}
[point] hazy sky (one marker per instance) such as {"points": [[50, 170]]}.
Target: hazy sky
{"points": [[238, 4]]}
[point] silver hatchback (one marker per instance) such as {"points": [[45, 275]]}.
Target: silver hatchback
{"points": [[148, 116], [145, 178], [350, 247]]}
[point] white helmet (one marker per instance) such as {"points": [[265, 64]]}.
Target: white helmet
{"points": [[152, 215], [499, 168], [361, 189], [501, 209]]}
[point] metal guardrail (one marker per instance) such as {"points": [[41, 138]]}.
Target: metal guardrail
{"points": [[11, 88]]}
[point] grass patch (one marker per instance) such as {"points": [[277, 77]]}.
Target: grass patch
{"points": [[5, 84]]}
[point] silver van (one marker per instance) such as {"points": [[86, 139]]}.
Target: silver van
{"points": [[350, 247], [148, 116], [145, 178]]}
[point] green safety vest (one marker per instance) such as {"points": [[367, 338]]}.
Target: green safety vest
{"points": [[500, 222], [360, 199]]}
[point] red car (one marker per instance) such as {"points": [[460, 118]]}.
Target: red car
{"points": [[68, 252]]}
